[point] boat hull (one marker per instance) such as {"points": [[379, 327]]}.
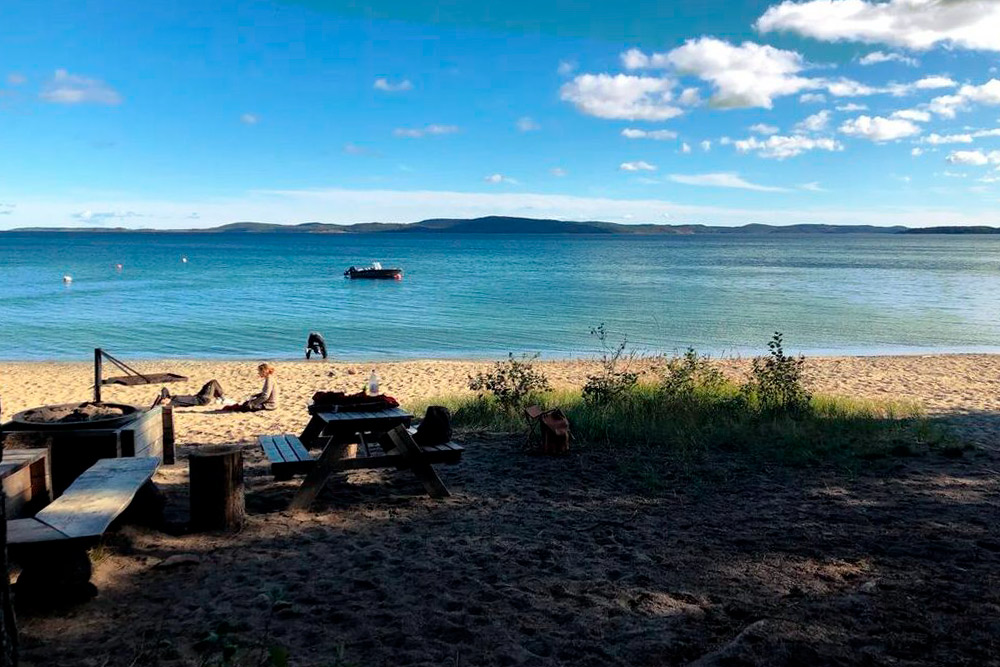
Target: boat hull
{"points": [[374, 274]]}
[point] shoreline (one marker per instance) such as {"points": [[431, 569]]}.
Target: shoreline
{"points": [[588, 358]]}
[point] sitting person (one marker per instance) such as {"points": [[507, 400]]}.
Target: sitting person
{"points": [[315, 344], [265, 399]]}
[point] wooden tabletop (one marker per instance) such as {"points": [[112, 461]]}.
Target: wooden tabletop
{"points": [[391, 413], [19, 459]]}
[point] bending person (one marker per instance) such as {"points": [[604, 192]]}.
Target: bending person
{"points": [[315, 344]]}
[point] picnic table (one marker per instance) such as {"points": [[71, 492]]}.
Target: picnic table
{"points": [[346, 427]]}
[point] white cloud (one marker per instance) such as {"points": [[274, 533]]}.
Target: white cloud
{"points": [[249, 119], [527, 124], [656, 135], [66, 88], [621, 97], [812, 98], [497, 179], [16, 79], [917, 152], [781, 147], [387, 86], [814, 123], [706, 145], [948, 105], [879, 129], [761, 128], [917, 115], [558, 172], [936, 139], [685, 148], [974, 158], [102, 217], [638, 165], [813, 187], [913, 24], [722, 180], [851, 106], [748, 75], [566, 67], [7, 209], [690, 97], [876, 57], [416, 133]]}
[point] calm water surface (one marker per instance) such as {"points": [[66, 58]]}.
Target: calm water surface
{"points": [[254, 296]]}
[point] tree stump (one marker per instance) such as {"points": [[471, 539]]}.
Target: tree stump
{"points": [[216, 478]]}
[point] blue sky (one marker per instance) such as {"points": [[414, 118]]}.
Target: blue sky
{"points": [[840, 111]]}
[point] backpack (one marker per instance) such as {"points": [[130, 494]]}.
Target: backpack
{"points": [[435, 427]]}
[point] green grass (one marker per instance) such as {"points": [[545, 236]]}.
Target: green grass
{"points": [[645, 420]]}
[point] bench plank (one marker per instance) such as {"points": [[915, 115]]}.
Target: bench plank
{"points": [[89, 505], [286, 452], [267, 444], [26, 531], [298, 449]]}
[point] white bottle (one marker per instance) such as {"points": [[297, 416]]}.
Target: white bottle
{"points": [[373, 383]]}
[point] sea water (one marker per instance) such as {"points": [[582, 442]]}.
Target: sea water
{"points": [[475, 296]]}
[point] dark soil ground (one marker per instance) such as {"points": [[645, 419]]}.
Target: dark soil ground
{"points": [[567, 561]]}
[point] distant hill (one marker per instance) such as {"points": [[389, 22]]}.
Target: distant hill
{"points": [[513, 225]]}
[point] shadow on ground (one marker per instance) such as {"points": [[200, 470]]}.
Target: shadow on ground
{"points": [[566, 561]]}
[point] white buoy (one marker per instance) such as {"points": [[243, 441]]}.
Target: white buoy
{"points": [[67, 279], [184, 259], [119, 267]]}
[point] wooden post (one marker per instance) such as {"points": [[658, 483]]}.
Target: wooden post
{"points": [[216, 478], [168, 435], [98, 367]]}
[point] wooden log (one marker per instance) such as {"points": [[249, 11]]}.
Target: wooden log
{"points": [[217, 493]]}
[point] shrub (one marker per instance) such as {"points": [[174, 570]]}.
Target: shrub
{"points": [[616, 378], [513, 384], [682, 376], [775, 383]]}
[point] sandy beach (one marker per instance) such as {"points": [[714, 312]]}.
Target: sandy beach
{"points": [[966, 385], [537, 561]]}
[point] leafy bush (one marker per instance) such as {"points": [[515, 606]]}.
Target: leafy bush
{"points": [[616, 377], [775, 384], [682, 376], [513, 384]]}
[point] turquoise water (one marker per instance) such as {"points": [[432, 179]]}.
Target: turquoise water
{"points": [[257, 296]]}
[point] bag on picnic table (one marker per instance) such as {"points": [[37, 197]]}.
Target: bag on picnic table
{"points": [[434, 428], [359, 402]]}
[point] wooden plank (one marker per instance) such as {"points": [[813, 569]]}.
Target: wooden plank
{"points": [[100, 494], [26, 531], [318, 476], [421, 468], [300, 452], [286, 452], [272, 452]]}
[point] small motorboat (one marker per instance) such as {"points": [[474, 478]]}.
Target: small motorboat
{"points": [[374, 272]]}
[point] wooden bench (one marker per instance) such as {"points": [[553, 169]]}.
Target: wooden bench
{"points": [[89, 505], [289, 457], [287, 454]]}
